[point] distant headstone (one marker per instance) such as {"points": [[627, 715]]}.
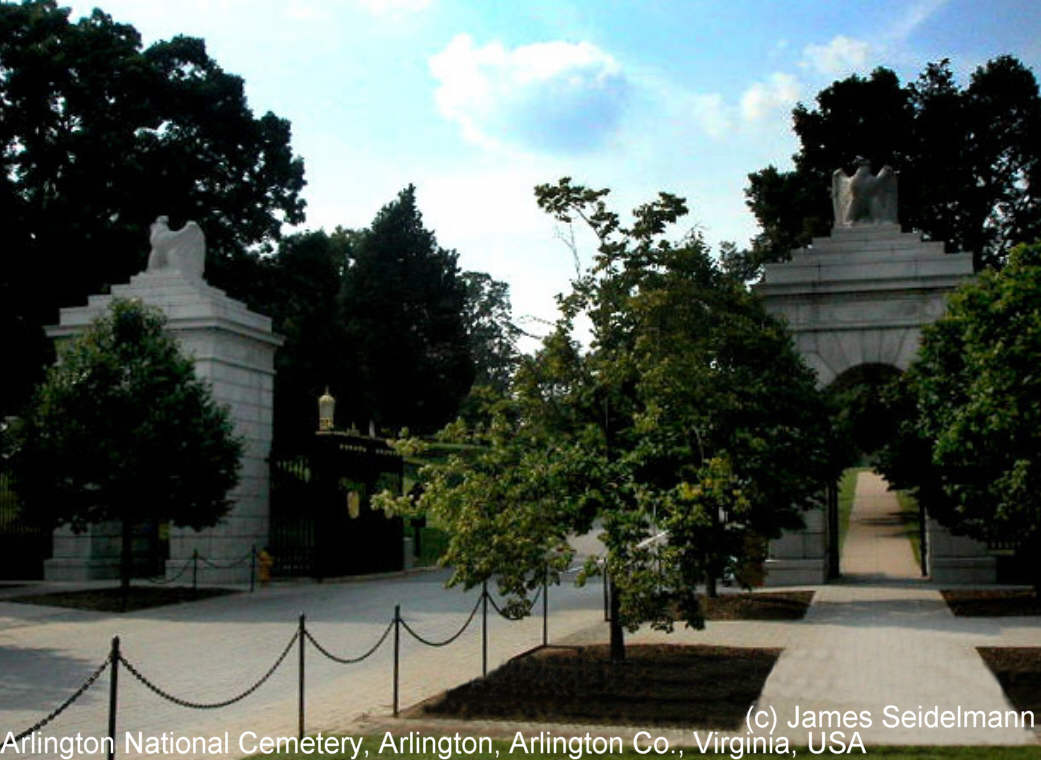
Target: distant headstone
{"points": [[864, 198]]}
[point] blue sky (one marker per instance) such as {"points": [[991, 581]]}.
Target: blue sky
{"points": [[477, 101]]}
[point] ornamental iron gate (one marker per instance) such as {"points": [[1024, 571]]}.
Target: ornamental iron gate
{"points": [[322, 522]]}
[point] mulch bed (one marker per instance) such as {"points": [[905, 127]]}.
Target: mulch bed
{"points": [[658, 684], [780, 605], [111, 599], [1018, 670], [992, 602]]}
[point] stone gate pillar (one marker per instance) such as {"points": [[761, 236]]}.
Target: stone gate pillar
{"points": [[234, 350], [862, 296]]}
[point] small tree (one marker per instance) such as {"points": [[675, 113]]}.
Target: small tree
{"points": [[970, 448], [688, 426], [122, 429]]}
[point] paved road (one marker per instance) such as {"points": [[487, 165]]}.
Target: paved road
{"points": [[213, 649]]}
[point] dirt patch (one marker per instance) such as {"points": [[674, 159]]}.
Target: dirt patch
{"points": [[1018, 670], [111, 599], [780, 605], [658, 684], [992, 602]]}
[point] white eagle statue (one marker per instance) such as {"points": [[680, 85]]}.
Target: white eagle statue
{"points": [[182, 250], [864, 198]]}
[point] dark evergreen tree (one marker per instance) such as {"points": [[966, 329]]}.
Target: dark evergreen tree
{"points": [[403, 304]]}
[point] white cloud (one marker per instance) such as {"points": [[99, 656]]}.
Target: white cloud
{"points": [[393, 7], [764, 99], [555, 96], [843, 55], [710, 114], [913, 17]]}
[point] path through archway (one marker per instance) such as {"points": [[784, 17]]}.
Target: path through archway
{"points": [[877, 546]]}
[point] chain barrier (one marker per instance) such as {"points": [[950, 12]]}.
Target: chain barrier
{"points": [[300, 637], [452, 638], [165, 581], [235, 563], [64, 705], [349, 660], [211, 705], [531, 606]]}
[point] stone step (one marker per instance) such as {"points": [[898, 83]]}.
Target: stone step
{"points": [[827, 258], [909, 241], [849, 269]]}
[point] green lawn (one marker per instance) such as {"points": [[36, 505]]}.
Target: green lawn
{"points": [[432, 543], [501, 749], [909, 513], [847, 485]]}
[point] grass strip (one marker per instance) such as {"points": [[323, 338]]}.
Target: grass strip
{"points": [[910, 516], [847, 488], [501, 749]]}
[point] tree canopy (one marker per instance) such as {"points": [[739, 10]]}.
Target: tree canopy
{"points": [[687, 426], [969, 450], [122, 429], [99, 136], [969, 159]]}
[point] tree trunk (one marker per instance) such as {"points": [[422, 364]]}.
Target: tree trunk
{"points": [[617, 632], [710, 583]]}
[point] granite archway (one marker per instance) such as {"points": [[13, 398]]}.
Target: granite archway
{"points": [[861, 296]]}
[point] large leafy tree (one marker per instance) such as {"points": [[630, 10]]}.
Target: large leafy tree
{"points": [[686, 427], [298, 286], [122, 429], [492, 333], [969, 448], [969, 159], [403, 303], [98, 136]]}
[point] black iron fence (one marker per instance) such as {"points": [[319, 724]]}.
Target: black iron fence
{"points": [[300, 637], [23, 545]]}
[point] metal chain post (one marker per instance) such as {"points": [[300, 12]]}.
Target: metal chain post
{"points": [[397, 652], [113, 688], [252, 568], [484, 629], [303, 637], [607, 613]]}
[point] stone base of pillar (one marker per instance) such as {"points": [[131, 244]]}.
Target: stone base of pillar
{"points": [[95, 554], [69, 569], [957, 559], [796, 572], [956, 570]]}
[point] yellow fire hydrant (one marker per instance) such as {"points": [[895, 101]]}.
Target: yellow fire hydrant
{"points": [[264, 563]]}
